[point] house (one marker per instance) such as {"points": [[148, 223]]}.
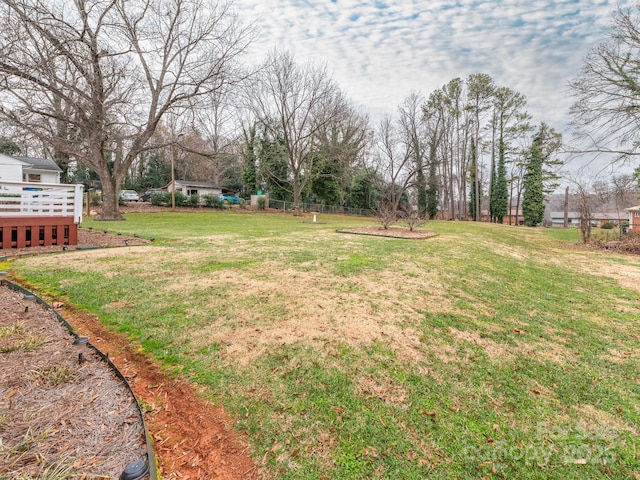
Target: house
{"points": [[597, 218], [195, 188], [28, 169], [634, 219], [513, 217]]}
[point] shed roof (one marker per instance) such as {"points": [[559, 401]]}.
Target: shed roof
{"points": [[186, 183]]}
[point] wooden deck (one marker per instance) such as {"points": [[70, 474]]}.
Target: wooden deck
{"points": [[37, 214]]}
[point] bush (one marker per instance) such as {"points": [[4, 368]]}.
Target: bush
{"points": [[161, 199], [213, 201], [181, 199], [414, 218], [94, 198], [262, 203], [164, 199], [192, 201], [608, 226], [386, 214]]}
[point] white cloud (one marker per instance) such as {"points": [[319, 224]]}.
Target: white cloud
{"points": [[380, 51]]}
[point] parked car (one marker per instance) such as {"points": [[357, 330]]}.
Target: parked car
{"points": [[230, 199], [146, 196], [129, 195]]}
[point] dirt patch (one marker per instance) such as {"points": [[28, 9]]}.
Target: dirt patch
{"points": [[390, 232], [494, 351]]}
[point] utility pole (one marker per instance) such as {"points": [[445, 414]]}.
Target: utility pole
{"points": [[566, 208]]}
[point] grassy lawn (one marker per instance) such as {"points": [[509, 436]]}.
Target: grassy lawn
{"points": [[487, 352]]}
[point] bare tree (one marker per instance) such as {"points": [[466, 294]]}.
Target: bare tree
{"points": [[606, 111], [94, 79], [584, 209], [623, 191], [393, 165], [413, 132], [294, 102], [479, 95]]}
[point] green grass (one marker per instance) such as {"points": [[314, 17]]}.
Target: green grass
{"points": [[487, 352]]}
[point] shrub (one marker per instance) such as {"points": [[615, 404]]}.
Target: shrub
{"points": [[262, 203], [213, 201], [414, 218], [181, 199], [161, 199], [608, 226], [192, 201], [94, 198], [386, 214]]}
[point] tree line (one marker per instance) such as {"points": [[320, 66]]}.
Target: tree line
{"points": [[123, 90]]}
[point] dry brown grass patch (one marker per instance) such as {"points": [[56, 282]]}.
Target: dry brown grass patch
{"points": [[494, 350]]}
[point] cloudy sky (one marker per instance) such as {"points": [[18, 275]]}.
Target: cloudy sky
{"points": [[380, 51]]}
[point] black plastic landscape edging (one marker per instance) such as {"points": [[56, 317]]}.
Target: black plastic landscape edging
{"points": [[385, 236], [150, 456]]}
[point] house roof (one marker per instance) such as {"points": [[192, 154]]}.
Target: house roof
{"points": [[633, 209], [186, 183], [40, 163]]}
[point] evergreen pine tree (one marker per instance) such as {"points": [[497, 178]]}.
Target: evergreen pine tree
{"points": [[432, 191], [421, 186], [533, 199], [539, 178], [249, 163], [500, 194]]}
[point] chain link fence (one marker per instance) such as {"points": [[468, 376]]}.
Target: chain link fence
{"points": [[319, 208]]}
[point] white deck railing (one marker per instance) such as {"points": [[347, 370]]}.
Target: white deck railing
{"points": [[21, 199]]}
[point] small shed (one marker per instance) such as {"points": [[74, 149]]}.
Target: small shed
{"points": [[195, 188]]}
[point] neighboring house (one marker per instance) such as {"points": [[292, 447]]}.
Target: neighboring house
{"points": [[195, 188], [597, 218], [28, 169], [514, 217], [508, 219], [634, 219]]}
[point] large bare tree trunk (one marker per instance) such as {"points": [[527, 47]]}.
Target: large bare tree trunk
{"points": [[110, 203]]}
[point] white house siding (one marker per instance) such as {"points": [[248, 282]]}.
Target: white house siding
{"points": [[11, 169], [45, 176]]}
